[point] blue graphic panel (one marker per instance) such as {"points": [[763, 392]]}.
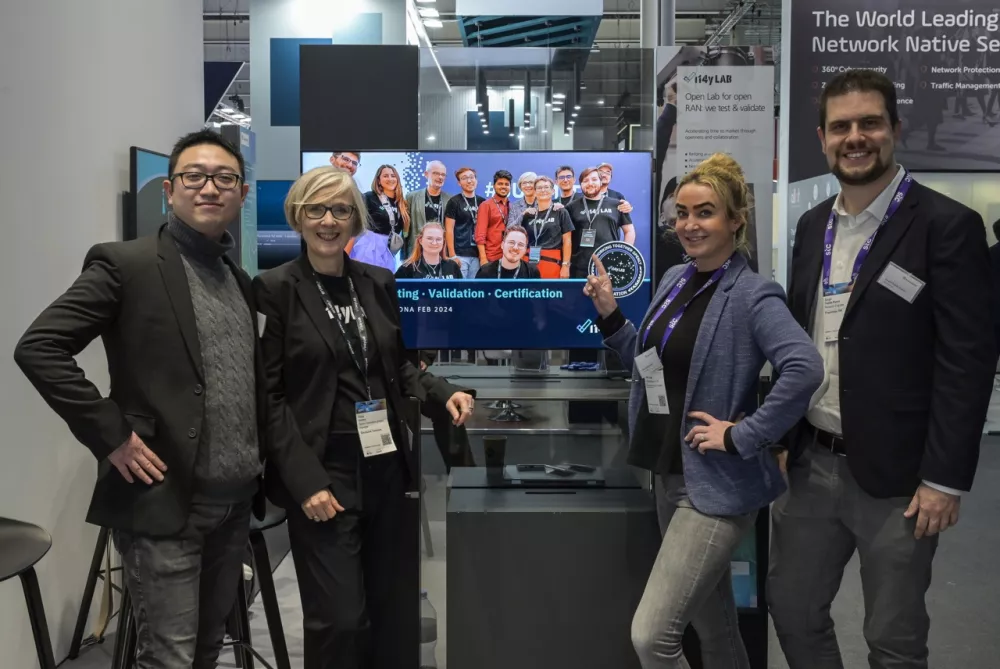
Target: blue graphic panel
{"points": [[285, 78]]}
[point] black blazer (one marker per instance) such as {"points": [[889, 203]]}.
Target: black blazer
{"points": [[915, 379], [299, 349], [135, 296]]}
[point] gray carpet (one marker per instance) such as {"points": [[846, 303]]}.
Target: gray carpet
{"points": [[963, 600]]}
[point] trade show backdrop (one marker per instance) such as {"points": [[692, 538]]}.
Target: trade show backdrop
{"points": [[942, 55], [715, 100]]}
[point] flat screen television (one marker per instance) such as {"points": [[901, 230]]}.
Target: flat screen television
{"points": [[276, 242], [494, 313], [147, 209]]}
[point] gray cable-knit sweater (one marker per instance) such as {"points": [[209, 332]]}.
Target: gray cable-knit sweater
{"points": [[228, 459]]}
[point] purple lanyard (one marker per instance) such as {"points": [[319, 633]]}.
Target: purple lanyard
{"points": [[831, 235], [683, 281]]}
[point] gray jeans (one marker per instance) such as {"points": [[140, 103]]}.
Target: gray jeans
{"points": [[184, 586], [691, 583], [470, 265], [817, 525]]}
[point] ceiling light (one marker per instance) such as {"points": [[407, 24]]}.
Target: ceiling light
{"points": [[426, 2], [574, 115], [511, 134], [431, 138], [486, 132], [517, 87], [572, 122], [432, 23], [600, 102], [559, 96], [576, 107], [428, 12], [548, 104], [545, 132]]}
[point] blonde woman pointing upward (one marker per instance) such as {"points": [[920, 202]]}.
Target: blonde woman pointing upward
{"points": [[693, 416]]}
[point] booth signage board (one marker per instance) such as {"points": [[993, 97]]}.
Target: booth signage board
{"points": [[943, 57], [718, 101]]}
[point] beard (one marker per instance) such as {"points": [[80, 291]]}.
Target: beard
{"points": [[870, 175]]}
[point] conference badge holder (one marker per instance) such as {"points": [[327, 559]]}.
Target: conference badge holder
{"points": [[651, 370], [589, 238], [373, 427]]}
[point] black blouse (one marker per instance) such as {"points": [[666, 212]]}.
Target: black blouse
{"points": [[446, 269], [380, 215], [657, 442]]}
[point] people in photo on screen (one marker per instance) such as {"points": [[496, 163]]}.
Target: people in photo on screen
{"points": [[346, 160], [460, 222], [179, 437], [428, 204], [606, 171], [331, 345], [385, 204], [694, 421], [597, 220], [550, 233], [429, 259], [491, 219], [511, 264], [566, 182], [526, 184], [892, 281]]}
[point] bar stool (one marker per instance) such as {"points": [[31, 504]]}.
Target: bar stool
{"points": [[97, 571], [22, 545], [241, 641]]}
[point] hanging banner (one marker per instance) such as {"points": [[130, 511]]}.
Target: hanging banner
{"points": [[943, 57], [715, 100]]}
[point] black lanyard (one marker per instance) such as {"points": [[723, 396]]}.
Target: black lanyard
{"points": [[592, 216], [471, 209], [359, 318], [537, 227], [437, 205], [503, 217], [500, 269]]}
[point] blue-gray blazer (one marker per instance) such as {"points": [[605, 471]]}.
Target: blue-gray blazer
{"points": [[746, 323]]}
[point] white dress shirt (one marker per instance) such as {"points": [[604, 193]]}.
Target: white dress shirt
{"points": [[851, 233]]}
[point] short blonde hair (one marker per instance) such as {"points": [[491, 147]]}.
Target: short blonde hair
{"points": [[320, 185], [725, 177], [527, 176]]}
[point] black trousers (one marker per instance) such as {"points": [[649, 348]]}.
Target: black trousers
{"points": [[359, 576]]}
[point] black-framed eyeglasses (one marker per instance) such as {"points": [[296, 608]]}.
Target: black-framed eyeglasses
{"points": [[197, 180], [341, 212], [349, 161]]}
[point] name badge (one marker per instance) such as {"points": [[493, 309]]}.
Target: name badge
{"points": [[373, 427], [901, 282], [651, 369], [588, 239], [534, 254], [834, 308]]}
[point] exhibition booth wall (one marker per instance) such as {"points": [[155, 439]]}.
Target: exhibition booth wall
{"points": [[61, 176]]}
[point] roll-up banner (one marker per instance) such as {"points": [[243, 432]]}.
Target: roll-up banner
{"points": [[715, 100]]}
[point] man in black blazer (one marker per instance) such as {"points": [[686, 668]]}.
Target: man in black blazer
{"points": [[892, 280], [176, 440]]}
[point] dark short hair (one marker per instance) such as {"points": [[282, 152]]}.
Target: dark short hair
{"points": [[996, 229], [503, 174], [198, 138], [564, 168], [462, 170], [587, 171], [515, 228], [860, 81]]}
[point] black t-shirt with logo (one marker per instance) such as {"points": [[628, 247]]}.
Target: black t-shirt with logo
{"points": [[545, 229], [432, 207], [350, 381], [446, 269], [604, 218], [380, 214], [615, 195], [464, 209], [563, 200]]}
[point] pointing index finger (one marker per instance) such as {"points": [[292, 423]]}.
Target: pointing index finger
{"points": [[599, 266]]}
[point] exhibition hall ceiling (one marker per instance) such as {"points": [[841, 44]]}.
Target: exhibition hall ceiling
{"points": [[608, 70]]}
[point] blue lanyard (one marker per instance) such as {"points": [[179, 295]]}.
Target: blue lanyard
{"points": [[831, 235], [675, 291]]}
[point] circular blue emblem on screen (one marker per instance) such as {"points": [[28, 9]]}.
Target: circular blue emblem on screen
{"points": [[625, 266]]}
